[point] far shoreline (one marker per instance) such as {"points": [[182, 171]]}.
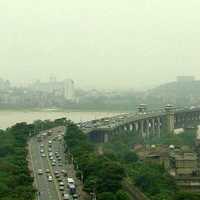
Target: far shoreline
{"points": [[63, 110]]}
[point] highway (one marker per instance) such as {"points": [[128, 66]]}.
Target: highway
{"points": [[50, 190]]}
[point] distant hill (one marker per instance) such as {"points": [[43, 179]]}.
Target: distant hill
{"points": [[177, 93]]}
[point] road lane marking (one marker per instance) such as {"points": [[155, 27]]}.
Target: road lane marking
{"points": [[34, 173], [51, 169]]}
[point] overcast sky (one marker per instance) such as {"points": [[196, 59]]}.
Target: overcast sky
{"points": [[100, 43]]}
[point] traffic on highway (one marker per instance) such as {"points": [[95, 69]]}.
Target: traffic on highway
{"points": [[52, 179]]}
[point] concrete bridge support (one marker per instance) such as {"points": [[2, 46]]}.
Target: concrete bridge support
{"points": [[141, 128], [169, 119], [147, 128], [153, 127], [158, 127]]}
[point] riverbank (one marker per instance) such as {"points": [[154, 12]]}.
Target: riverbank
{"points": [[66, 110], [8, 117]]}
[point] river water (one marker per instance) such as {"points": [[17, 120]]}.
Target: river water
{"points": [[9, 117]]}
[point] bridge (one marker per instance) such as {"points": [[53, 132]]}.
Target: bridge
{"points": [[145, 123]]}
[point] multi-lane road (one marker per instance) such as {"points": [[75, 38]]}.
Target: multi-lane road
{"points": [[50, 190]]}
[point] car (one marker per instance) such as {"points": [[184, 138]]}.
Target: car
{"points": [[72, 188], [64, 172], [51, 158], [56, 172], [50, 178], [50, 154], [43, 155], [47, 171], [61, 188], [41, 150], [50, 149], [40, 171], [60, 179], [70, 181], [59, 158], [61, 183], [53, 164], [66, 196], [60, 164], [57, 175], [42, 145], [75, 197], [54, 160]]}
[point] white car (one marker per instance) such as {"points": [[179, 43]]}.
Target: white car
{"points": [[40, 171], [58, 176], [70, 181], [51, 158], [61, 183], [56, 172], [75, 197], [66, 196], [50, 142], [50, 154], [60, 164], [64, 172], [57, 155], [47, 171], [42, 145], [61, 188], [53, 164], [50, 178], [41, 150], [43, 155]]}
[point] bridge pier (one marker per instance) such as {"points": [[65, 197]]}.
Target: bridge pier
{"points": [[147, 128], [153, 127], [169, 119], [158, 126], [141, 128]]}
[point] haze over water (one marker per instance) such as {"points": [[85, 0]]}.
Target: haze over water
{"points": [[9, 118]]}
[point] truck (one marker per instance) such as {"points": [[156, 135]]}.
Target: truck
{"points": [[72, 189]]}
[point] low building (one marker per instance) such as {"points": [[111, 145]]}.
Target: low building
{"points": [[184, 164]]}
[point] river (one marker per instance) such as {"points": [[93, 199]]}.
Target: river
{"points": [[11, 117]]}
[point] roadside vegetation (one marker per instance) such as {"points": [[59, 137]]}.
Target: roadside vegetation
{"points": [[16, 182], [15, 179], [101, 174], [150, 178], [186, 138], [104, 171]]}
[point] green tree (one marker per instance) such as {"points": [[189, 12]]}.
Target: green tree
{"points": [[106, 196], [121, 195]]}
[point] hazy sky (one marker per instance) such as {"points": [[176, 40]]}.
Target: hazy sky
{"points": [[101, 43]]}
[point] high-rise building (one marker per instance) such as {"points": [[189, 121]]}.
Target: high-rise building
{"points": [[58, 88], [4, 84], [69, 92]]}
